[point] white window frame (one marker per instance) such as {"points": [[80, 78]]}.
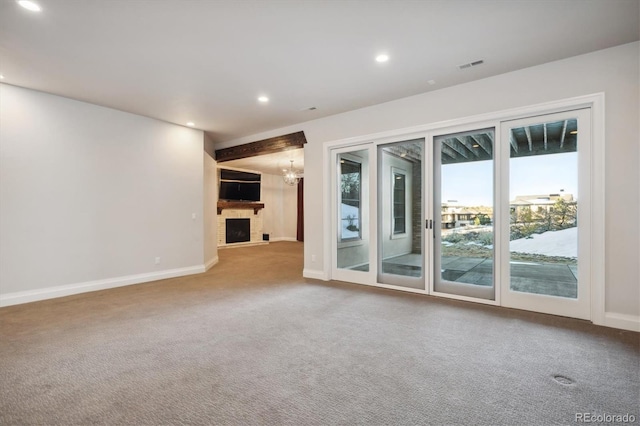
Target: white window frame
{"points": [[398, 171]]}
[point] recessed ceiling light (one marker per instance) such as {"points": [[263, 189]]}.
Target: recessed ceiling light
{"points": [[382, 58], [1, 77], [29, 5], [263, 99], [191, 124], [431, 82]]}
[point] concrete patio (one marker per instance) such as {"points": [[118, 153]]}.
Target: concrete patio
{"points": [[539, 278]]}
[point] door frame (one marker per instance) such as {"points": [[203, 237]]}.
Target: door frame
{"points": [[596, 102]]}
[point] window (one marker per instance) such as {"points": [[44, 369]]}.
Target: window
{"points": [[399, 203], [350, 199]]}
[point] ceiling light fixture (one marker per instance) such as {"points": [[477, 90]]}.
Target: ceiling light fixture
{"points": [[1, 77], [382, 58], [29, 5], [263, 99], [191, 124], [290, 176]]}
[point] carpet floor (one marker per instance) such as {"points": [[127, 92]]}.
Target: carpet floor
{"points": [[250, 342]]}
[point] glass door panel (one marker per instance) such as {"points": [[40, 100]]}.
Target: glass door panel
{"points": [[352, 239], [545, 212], [464, 214], [400, 214], [543, 207]]}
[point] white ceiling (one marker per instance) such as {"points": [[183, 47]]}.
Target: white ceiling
{"points": [[207, 61]]}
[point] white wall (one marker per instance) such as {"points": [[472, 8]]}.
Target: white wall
{"points": [[90, 196], [613, 71], [280, 208], [289, 212], [210, 194]]}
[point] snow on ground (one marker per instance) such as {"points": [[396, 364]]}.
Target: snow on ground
{"points": [[349, 211], [552, 243]]}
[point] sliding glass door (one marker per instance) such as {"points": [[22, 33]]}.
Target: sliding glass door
{"points": [[378, 232], [471, 213], [351, 202], [463, 213], [547, 215], [400, 214]]}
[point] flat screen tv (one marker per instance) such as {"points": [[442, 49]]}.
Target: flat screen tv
{"points": [[239, 186]]}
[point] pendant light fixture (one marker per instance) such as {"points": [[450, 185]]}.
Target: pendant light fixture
{"points": [[290, 175]]}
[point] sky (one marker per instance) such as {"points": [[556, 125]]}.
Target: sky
{"points": [[471, 183]]}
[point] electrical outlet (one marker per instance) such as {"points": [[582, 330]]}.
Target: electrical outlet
{"points": [[193, 215], [157, 260], [313, 257]]}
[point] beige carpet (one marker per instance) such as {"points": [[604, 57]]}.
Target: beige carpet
{"points": [[250, 342]]}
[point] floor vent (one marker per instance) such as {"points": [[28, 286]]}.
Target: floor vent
{"points": [[563, 380]]}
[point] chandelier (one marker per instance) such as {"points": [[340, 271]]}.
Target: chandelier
{"points": [[290, 176]]}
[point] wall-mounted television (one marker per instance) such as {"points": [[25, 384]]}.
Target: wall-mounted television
{"points": [[239, 186]]}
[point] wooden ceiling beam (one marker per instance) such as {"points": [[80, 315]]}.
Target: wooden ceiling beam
{"points": [[446, 149], [456, 146], [265, 146], [466, 141], [564, 133], [527, 131], [484, 140], [512, 139]]}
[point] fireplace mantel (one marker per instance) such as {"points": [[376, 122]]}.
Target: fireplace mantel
{"points": [[239, 205]]}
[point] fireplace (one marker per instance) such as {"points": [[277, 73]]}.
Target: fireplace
{"points": [[240, 224], [238, 230]]}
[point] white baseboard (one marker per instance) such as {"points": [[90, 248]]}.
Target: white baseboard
{"points": [[622, 321], [20, 297], [316, 274], [276, 239], [211, 263]]}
